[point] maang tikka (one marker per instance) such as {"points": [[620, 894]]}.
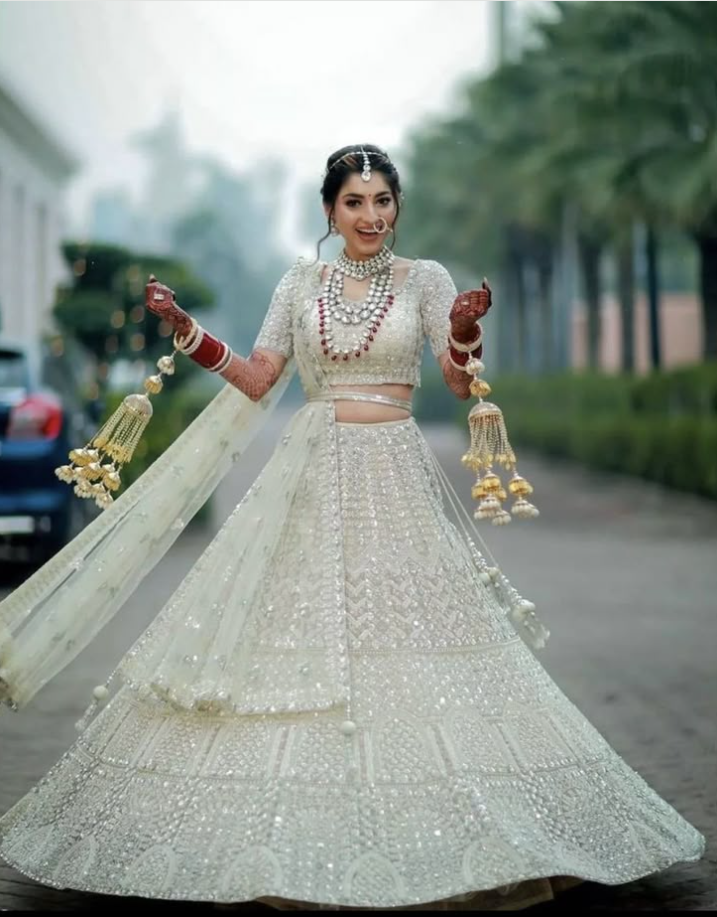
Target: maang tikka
{"points": [[366, 171], [366, 174]]}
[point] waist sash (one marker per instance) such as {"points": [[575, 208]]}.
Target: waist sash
{"points": [[362, 396]]}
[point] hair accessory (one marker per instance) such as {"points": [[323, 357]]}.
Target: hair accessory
{"points": [[366, 173]]}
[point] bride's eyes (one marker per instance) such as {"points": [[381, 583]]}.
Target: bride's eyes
{"points": [[384, 202]]}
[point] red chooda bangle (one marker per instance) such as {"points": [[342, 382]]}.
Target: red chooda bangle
{"points": [[462, 357], [210, 351]]}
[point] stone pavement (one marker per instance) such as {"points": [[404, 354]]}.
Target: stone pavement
{"points": [[623, 573]]}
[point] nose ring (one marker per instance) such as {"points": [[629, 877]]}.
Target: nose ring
{"points": [[381, 226]]}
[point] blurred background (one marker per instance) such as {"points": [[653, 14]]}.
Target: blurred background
{"points": [[568, 151]]}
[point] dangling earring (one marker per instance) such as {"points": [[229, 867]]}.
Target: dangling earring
{"points": [[333, 230]]}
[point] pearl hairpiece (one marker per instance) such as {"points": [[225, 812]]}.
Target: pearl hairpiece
{"points": [[366, 173]]}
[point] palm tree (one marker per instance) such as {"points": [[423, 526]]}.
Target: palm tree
{"points": [[614, 114], [653, 82]]}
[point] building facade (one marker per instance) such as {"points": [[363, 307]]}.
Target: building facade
{"points": [[34, 170]]}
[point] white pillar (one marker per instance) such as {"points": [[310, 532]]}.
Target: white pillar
{"points": [[31, 273], [43, 298], [5, 251], [16, 307], [57, 272]]}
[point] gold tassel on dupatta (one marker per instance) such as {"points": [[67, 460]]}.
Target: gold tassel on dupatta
{"points": [[490, 445], [114, 444]]}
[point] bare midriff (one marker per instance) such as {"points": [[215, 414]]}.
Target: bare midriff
{"points": [[368, 412]]}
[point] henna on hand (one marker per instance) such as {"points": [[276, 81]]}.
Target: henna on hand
{"points": [[254, 376], [467, 309], [457, 380], [159, 299]]}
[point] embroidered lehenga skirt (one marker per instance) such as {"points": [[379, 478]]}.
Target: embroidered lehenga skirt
{"points": [[452, 769]]}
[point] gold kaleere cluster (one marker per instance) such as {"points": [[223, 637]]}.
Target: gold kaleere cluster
{"points": [[490, 446], [95, 469]]}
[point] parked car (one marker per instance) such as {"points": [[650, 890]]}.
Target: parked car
{"points": [[39, 425]]}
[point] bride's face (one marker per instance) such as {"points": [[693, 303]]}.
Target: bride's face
{"points": [[359, 205]]}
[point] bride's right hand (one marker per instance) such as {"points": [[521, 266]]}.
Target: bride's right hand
{"points": [[158, 298]]}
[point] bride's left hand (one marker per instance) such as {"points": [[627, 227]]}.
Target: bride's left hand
{"points": [[473, 303]]}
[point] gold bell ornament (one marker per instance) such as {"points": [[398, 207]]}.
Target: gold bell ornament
{"points": [[489, 446], [114, 444]]}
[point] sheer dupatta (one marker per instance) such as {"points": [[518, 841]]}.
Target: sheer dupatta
{"points": [[205, 651], [196, 654], [57, 612]]}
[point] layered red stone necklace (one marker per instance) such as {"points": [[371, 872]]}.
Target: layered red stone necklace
{"points": [[364, 317]]}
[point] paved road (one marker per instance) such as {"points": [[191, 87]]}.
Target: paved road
{"points": [[625, 575]]}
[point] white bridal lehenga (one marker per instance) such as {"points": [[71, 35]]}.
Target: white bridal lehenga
{"points": [[334, 707]]}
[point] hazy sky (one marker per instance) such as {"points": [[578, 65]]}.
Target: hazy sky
{"points": [[294, 78]]}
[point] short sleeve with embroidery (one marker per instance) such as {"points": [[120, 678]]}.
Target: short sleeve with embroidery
{"points": [[437, 296], [276, 331]]}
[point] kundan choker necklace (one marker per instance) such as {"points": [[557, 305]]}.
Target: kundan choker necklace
{"points": [[360, 270], [365, 317]]}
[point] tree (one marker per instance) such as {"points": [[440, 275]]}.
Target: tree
{"points": [[612, 115], [104, 308], [227, 235], [643, 73]]}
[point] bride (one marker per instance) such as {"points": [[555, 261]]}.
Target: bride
{"points": [[339, 706]]}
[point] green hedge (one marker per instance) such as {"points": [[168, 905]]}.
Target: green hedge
{"points": [[662, 427]]}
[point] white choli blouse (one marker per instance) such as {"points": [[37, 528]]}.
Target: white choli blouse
{"points": [[420, 310]]}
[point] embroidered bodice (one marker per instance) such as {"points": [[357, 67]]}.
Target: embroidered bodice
{"points": [[420, 310]]}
